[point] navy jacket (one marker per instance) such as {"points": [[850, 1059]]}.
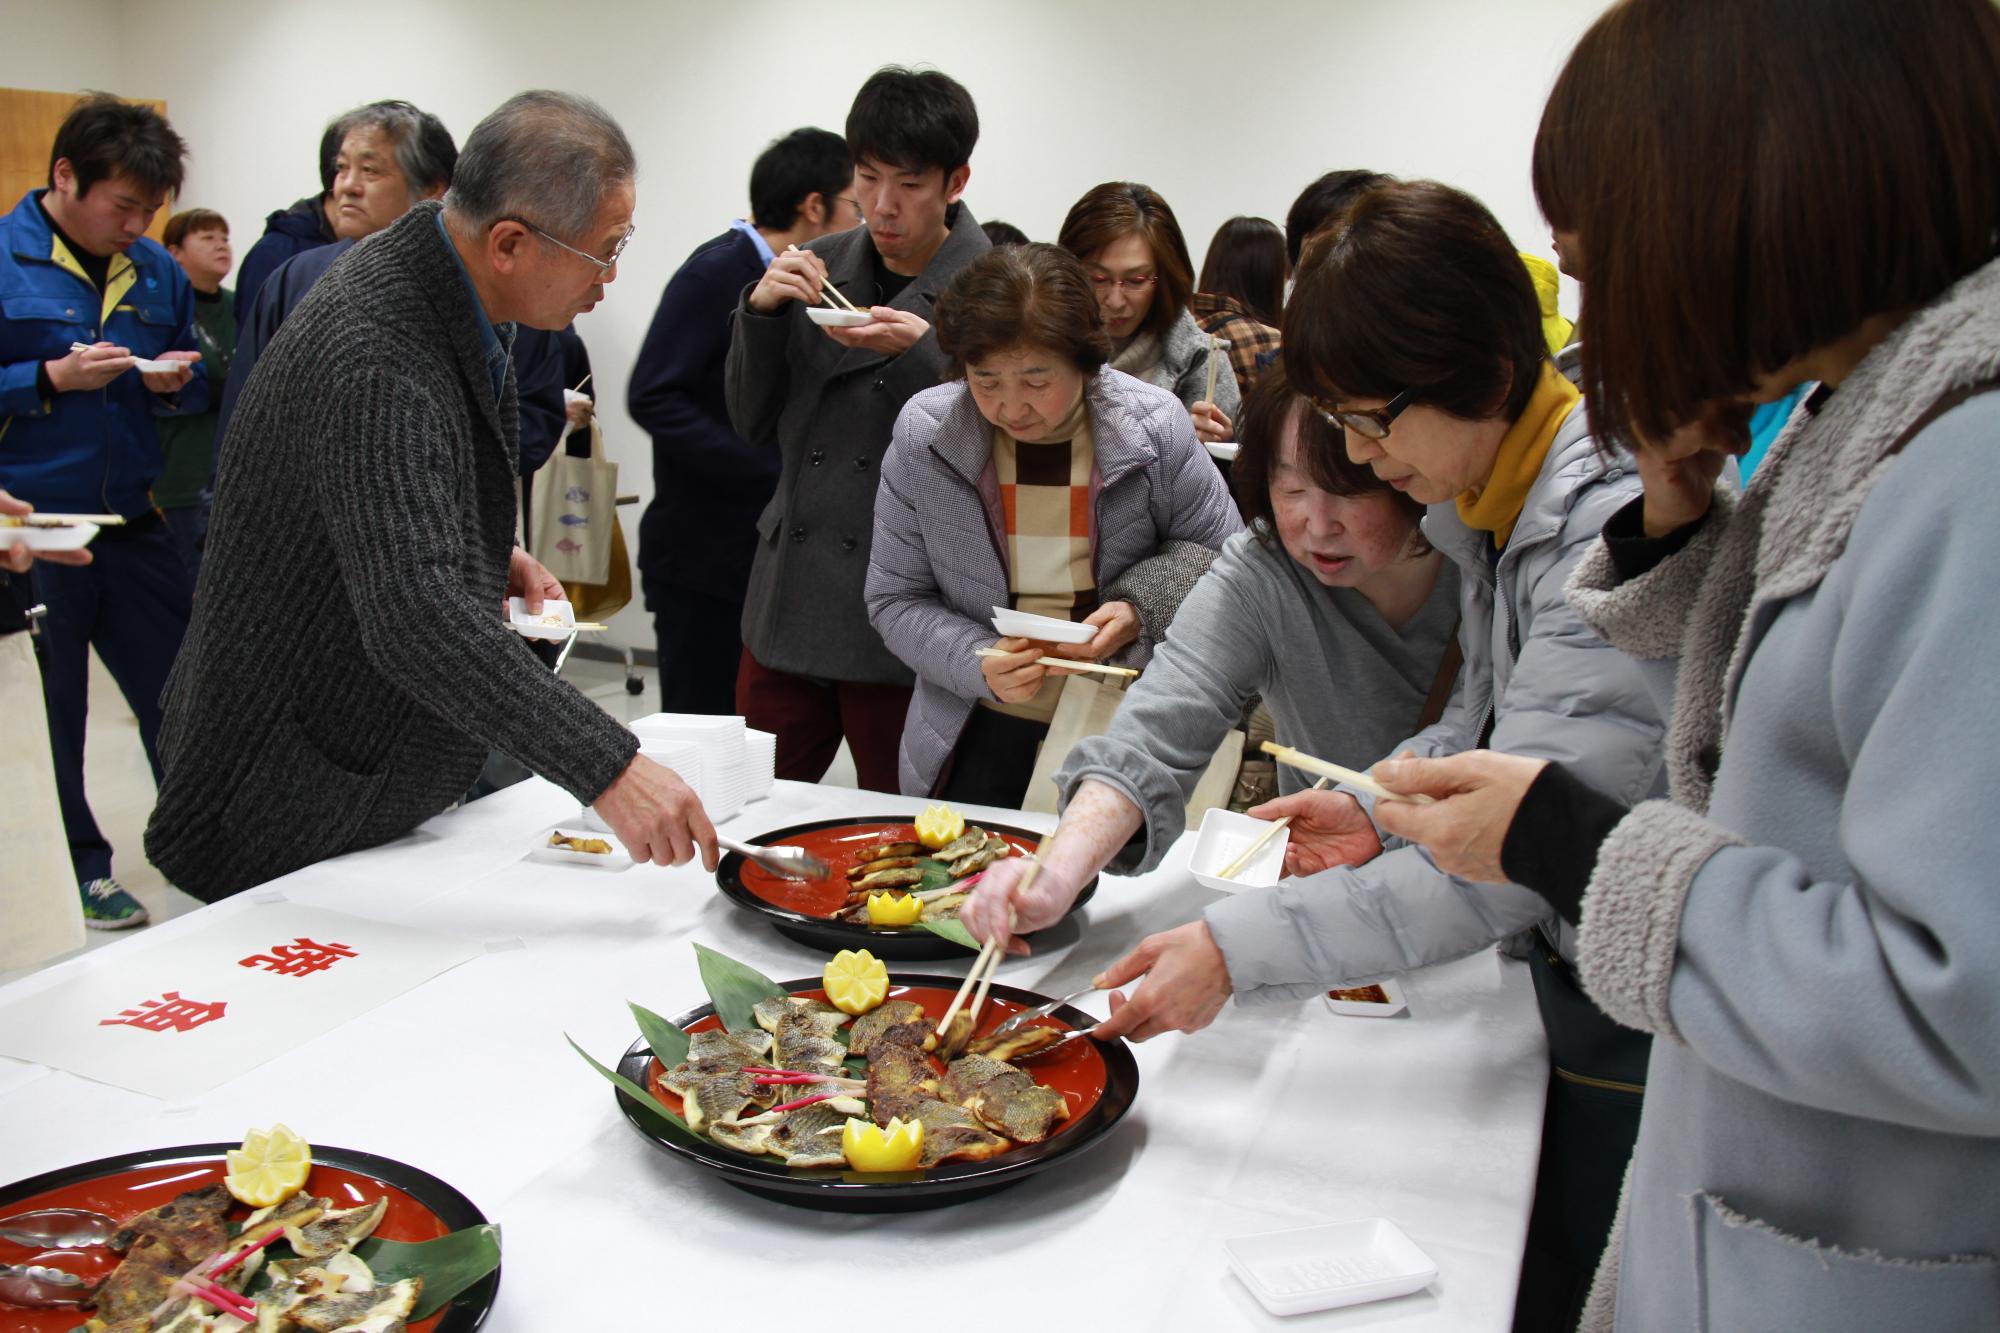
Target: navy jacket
{"points": [[88, 451], [287, 232], [284, 286], [709, 485]]}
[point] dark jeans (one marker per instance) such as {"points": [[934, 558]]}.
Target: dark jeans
{"points": [[701, 645], [131, 603], [189, 527], [993, 760], [810, 716]]}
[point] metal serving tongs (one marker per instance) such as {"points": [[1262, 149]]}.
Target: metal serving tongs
{"points": [[42, 1287], [1042, 1011], [58, 1228], [790, 862]]}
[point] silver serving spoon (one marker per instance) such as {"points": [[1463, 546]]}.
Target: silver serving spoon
{"points": [[790, 862], [58, 1228], [41, 1287]]}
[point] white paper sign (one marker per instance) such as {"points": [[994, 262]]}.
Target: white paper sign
{"points": [[180, 1019]]}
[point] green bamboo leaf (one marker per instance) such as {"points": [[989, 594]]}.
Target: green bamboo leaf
{"points": [[645, 1098], [448, 1265], [734, 988], [950, 928], [936, 874], [669, 1044]]}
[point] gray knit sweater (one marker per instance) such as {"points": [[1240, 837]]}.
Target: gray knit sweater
{"points": [[347, 667]]}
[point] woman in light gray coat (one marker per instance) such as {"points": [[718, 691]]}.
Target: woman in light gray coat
{"points": [[1809, 924], [1033, 481], [1139, 267]]}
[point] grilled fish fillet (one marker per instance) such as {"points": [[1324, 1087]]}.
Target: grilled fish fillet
{"points": [[769, 1011], [878, 1023], [810, 1136], [962, 846], [886, 863], [159, 1246], [1004, 1098], [889, 879], [349, 1309], [1015, 1045], [883, 851]]}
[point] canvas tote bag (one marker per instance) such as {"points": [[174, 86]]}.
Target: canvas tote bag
{"points": [[575, 513]]}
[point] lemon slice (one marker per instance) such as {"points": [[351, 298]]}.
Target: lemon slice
{"points": [[896, 1146], [889, 909], [938, 825], [855, 982], [270, 1167]]}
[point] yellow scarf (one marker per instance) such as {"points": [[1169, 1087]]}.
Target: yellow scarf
{"points": [[1496, 506]]}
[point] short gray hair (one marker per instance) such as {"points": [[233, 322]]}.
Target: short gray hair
{"points": [[425, 153], [547, 157]]}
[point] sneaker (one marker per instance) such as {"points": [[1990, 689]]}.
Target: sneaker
{"points": [[108, 907]]}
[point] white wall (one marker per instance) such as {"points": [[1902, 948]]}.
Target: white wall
{"points": [[1224, 106]]}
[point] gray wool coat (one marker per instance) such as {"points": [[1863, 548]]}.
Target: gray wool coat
{"points": [[939, 568], [1810, 923], [1551, 688], [347, 668], [1182, 369], [828, 410]]}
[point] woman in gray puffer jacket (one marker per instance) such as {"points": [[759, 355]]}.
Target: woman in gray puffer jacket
{"points": [[1033, 482]]}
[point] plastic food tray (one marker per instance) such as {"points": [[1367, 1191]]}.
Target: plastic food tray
{"points": [[1323, 1267]]}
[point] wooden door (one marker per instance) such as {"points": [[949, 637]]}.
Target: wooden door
{"points": [[28, 124]]}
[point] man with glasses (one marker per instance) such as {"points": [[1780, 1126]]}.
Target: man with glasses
{"points": [[699, 532], [349, 666], [825, 401]]}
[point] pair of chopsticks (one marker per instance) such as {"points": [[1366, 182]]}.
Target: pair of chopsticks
{"points": [[826, 289], [1216, 346], [988, 962], [39, 520], [1068, 663], [1285, 754], [1236, 867]]}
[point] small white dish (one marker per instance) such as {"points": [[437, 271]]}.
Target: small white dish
{"points": [[556, 621], [1223, 451], [1012, 624], [1226, 835], [829, 318], [144, 366], [543, 850], [1324, 1267], [68, 537], [1358, 999]]}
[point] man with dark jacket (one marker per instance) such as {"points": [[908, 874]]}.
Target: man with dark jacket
{"points": [[84, 293], [348, 666], [826, 399], [305, 225], [699, 532]]}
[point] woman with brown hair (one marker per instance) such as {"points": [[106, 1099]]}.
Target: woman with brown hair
{"points": [[1809, 921], [1032, 480], [1242, 294], [1138, 263], [1331, 606]]}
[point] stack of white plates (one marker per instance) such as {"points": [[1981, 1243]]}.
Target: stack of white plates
{"points": [[726, 763], [762, 747]]}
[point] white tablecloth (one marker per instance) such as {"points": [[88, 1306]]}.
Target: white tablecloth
{"points": [[1273, 1117]]}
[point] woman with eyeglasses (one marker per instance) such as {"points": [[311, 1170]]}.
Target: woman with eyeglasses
{"points": [[1139, 267], [1036, 479], [1414, 325]]}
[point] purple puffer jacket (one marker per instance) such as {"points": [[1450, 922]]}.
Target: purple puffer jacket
{"points": [[938, 569]]}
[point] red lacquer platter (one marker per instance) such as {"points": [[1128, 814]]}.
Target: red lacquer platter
{"points": [[421, 1207]]}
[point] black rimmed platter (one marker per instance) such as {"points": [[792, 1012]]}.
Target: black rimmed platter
{"points": [[1101, 1079], [802, 910], [421, 1207]]}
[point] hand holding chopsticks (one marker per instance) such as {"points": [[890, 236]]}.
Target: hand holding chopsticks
{"points": [[1286, 755], [1236, 867], [988, 961], [829, 293], [1068, 663]]}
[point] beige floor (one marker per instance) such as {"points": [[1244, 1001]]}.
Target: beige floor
{"points": [[120, 782]]}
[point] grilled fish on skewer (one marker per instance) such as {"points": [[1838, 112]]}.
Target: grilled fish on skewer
{"points": [[883, 1023], [1004, 1098], [963, 846], [886, 863], [887, 850]]}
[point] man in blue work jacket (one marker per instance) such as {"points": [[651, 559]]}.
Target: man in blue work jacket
{"points": [[85, 300]]}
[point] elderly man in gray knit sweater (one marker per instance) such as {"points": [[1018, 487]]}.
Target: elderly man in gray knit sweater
{"points": [[348, 668]]}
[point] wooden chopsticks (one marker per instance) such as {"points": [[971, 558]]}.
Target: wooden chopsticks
{"points": [[827, 288], [1236, 867], [1285, 754], [988, 962], [41, 520], [1069, 663]]}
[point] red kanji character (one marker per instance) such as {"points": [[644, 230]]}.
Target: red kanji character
{"points": [[301, 958], [168, 1012]]}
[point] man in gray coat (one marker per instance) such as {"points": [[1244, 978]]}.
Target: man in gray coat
{"points": [[348, 667], [813, 668]]}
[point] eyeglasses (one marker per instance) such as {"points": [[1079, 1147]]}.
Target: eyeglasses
{"points": [[1104, 282], [1373, 424], [850, 201], [603, 265]]}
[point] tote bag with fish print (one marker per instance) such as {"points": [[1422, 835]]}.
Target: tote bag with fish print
{"points": [[575, 512]]}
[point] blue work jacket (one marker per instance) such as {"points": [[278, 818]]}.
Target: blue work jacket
{"points": [[89, 451]]}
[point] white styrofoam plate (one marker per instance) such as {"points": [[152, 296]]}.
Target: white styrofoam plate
{"points": [[1223, 451], [556, 621], [615, 859], [1322, 1267], [1011, 624], [828, 318], [140, 363], [1357, 998], [68, 537], [1226, 835]]}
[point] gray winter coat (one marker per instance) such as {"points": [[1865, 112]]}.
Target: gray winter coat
{"points": [[1552, 689], [938, 568], [828, 410], [1182, 369], [1810, 923]]}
